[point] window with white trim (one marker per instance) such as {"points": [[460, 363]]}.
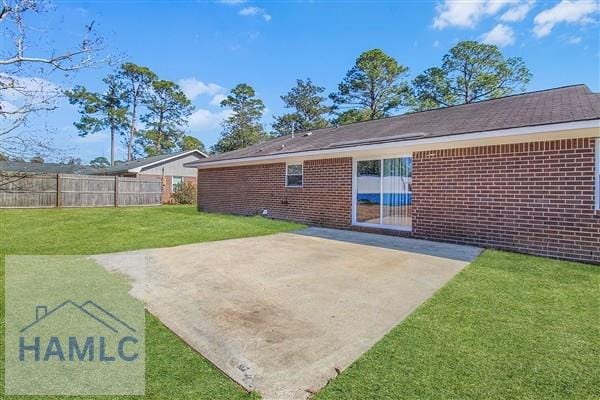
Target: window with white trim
{"points": [[175, 182], [597, 173], [293, 175]]}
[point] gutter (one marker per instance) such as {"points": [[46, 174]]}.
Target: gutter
{"points": [[452, 138]]}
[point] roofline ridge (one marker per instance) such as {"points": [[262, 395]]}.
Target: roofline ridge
{"points": [[468, 104], [422, 111]]}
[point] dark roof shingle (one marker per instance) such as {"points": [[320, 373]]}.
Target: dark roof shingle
{"points": [[45, 168], [564, 104], [142, 162]]}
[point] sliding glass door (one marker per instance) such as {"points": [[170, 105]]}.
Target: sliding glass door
{"points": [[368, 191], [383, 193], [397, 196]]}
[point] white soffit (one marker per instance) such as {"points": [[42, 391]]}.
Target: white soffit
{"points": [[590, 128]]}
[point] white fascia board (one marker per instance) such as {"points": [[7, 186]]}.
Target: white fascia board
{"points": [[139, 169], [450, 139]]}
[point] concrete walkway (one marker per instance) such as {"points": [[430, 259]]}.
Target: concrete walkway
{"points": [[280, 313]]}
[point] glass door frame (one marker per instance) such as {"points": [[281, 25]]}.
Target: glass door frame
{"points": [[355, 161]]}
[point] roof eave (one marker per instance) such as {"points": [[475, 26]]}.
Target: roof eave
{"points": [[142, 167], [545, 128]]}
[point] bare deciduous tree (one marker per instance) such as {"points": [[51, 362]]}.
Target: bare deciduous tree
{"points": [[28, 65]]}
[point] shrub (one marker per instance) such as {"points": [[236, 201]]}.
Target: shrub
{"points": [[185, 193]]}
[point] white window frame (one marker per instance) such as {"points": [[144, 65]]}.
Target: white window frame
{"points": [[301, 164], [354, 189], [597, 175], [173, 182]]}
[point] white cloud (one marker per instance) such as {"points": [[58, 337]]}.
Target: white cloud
{"points": [[217, 99], [466, 14], [501, 35], [252, 11], [574, 12], [231, 2], [455, 13], [7, 107], [193, 88], [203, 119], [21, 94], [491, 7], [249, 11], [573, 39], [518, 12], [18, 89]]}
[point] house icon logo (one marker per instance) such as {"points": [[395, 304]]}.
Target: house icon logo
{"points": [[71, 328], [72, 332]]}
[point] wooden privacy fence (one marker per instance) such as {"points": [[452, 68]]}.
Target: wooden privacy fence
{"points": [[62, 190]]}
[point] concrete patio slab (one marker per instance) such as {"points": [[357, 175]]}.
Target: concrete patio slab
{"points": [[280, 313]]}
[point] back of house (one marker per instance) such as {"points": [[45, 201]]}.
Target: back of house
{"points": [[170, 168], [517, 173]]}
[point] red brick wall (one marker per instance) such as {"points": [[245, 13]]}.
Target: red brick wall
{"points": [[535, 198], [325, 198], [167, 183]]}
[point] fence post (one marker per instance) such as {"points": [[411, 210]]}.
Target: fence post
{"points": [[58, 191], [116, 191]]}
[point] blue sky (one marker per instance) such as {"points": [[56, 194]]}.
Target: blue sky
{"points": [[209, 47]]}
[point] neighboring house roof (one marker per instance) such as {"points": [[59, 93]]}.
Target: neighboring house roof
{"points": [[552, 106], [144, 163], [45, 168]]}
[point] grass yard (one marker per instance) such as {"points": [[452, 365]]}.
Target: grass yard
{"points": [[173, 370], [508, 326]]}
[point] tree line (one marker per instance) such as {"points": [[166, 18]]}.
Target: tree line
{"points": [[136, 94], [150, 114], [376, 87]]}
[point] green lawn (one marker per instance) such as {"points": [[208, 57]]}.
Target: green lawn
{"points": [[509, 326], [173, 370]]}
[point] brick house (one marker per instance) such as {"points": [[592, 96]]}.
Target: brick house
{"points": [[169, 168], [517, 173]]}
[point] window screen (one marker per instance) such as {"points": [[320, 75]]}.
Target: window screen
{"points": [[293, 175], [176, 181]]}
